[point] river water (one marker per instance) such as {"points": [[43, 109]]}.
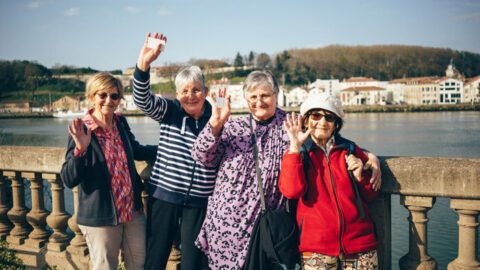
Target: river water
{"points": [[435, 134]]}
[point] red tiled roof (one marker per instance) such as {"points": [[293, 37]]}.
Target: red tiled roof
{"points": [[419, 79], [472, 79], [360, 79], [363, 88]]}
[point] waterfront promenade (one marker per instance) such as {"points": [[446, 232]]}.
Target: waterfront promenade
{"points": [[347, 109], [418, 181]]}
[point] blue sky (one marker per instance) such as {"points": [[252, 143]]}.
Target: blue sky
{"points": [[108, 35]]}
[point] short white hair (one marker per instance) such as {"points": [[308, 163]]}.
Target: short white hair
{"points": [[257, 78], [189, 75]]}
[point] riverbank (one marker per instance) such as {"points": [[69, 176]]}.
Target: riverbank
{"points": [[347, 109]]}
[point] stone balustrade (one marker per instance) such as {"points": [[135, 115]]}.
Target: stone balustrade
{"points": [[40, 236]]}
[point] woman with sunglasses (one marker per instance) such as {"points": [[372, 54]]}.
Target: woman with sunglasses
{"points": [[336, 231], [100, 161]]}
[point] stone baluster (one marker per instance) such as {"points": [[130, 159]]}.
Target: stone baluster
{"points": [[58, 219], [18, 213], [78, 245], [5, 224], [417, 256], [468, 211], [38, 215]]}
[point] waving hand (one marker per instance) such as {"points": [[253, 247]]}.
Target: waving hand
{"points": [[293, 126]]}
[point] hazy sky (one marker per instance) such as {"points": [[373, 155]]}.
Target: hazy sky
{"points": [[108, 35]]}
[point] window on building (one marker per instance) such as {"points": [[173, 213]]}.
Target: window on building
{"points": [[447, 84], [441, 98]]}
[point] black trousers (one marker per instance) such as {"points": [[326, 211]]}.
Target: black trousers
{"points": [[163, 220]]}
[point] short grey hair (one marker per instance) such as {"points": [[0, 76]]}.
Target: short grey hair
{"points": [[188, 75], [256, 78]]}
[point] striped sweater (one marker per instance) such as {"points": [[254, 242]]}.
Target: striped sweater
{"points": [[176, 177]]}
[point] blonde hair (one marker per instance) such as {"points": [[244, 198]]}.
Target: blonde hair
{"points": [[101, 81]]}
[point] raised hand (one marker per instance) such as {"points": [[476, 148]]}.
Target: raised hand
{"points": [[293, 126], [82, 139], [148, 55], [220, 114], [355, 165]]}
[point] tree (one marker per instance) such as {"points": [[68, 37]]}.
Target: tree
{"points": [[263, 61], [34, 73], [238, 62], [251, 58], [170, 72]]}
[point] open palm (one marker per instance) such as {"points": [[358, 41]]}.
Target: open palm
{"points": [[220, 112], [82, 139], [148, 55], [296, 134]]}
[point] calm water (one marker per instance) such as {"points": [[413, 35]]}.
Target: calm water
{"points": [[438, 134]]}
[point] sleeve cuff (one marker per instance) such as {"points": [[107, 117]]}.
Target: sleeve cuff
{"points": [[291, 157], [77, 153], [141, 75]]}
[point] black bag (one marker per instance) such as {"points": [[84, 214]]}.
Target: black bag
{"points": [[274, 239]]}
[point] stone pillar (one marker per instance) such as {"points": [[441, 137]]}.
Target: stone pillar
{"points": [[417, 256], [38, 215], [18, 212], [78, 245], [58, 219], [468, 211], [5, 224]]}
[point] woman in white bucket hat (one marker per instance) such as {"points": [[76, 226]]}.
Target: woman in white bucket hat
{"points": [[336, 231]]}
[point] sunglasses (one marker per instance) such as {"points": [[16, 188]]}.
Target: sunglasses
{"points": [[316, 116], [112, 96]]}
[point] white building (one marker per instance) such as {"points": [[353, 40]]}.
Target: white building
{"points": [[471, 90], [296, 96], [331, 87], [363, 95], [450, 91], [127, 104]]}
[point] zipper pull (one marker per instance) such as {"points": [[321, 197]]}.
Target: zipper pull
{"points": [[196, 123]]}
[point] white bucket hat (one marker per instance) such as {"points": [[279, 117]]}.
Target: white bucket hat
{"points": [[322, 101]]}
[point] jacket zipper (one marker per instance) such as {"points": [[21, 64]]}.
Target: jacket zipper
{"points": [[336, 201]]}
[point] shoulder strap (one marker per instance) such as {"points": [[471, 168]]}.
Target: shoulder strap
{"points": [[257, 167], [351, 151]]}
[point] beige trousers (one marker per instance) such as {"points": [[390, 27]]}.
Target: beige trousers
{"points": [[104, 243]]}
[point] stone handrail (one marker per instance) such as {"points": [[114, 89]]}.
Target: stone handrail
{"points": [[418, 180]]}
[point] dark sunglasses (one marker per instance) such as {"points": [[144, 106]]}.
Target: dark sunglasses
{"points": [[318, 116], [112, 96]]}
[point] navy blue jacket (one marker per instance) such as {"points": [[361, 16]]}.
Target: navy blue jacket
{"points": [[96, 205]]}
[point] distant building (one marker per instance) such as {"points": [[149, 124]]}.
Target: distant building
{"points": [[18, 105], [70, 103], [450, 91], [471, 90], [363, 95], [296, 96], [331, 87]]}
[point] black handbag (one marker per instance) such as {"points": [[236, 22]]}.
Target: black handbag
{"points": [[274, 239]]}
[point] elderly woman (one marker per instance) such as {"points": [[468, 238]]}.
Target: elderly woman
{"points": [[178, 186], [235, 203], [336, 230], [100, 161]]}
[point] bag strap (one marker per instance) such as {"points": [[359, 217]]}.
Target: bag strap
{"points": [[351, 151], [257, 167]]}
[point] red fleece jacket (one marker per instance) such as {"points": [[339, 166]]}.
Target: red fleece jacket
{"points": [[327, 215]]}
